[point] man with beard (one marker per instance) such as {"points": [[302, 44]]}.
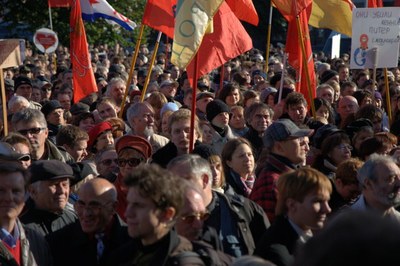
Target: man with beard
{"points": [[32, 124], [141, 119], [258, 117], [380, 181], [116, 90], [49, 189]]}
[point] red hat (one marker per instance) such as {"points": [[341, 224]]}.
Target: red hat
{"points": [[134, 142], [96, 131]]}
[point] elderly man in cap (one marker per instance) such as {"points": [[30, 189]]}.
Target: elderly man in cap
{"points": [[23, 87], [54, 113], [32, 124], [46, 207], [19, 245], [132, 151], [288, 146], [97, 233]]}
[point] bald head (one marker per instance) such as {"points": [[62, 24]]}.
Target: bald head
{"points": [[347, 105], [96, 205], [100, 188]]}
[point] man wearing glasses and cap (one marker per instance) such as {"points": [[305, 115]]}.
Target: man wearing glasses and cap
{"points": [[32, 124], [46, 207]]}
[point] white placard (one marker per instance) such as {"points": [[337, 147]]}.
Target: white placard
{"points": [[375, 29], [335, 52]]}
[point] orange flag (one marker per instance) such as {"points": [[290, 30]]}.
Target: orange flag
{"points": [[59, 3], [83, 78], [228, 40], [244, 10], [160, 15], [375, 3], [302, 9]]}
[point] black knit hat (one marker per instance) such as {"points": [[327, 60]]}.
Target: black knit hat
{"points": [[327, 75], [22, 81], [50, 106], [214, 108]]}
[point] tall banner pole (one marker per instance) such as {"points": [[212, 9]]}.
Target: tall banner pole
{"points": [[193, 112], [133, 63], [4, 101], [268, 39], [388, 104], [153, 59], [303, 52]]}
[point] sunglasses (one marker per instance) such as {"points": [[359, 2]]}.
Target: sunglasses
{"points": [[201, 216], [131, 162], [108, 162], [32, 131]]}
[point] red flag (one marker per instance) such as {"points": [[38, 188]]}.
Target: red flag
{"points": [[375, 3], [228, 40], [244, 10], [160, 15], [83, 78], [59, 3], [293, 46]]}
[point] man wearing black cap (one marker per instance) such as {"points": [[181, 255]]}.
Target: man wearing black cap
{"points": [[218, 115], [288, 147], [49, 187], [23, 87], [54, 113]]}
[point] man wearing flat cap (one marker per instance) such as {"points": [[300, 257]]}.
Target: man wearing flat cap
{"points": [[288, 146], [46, 208], [169, 88]]}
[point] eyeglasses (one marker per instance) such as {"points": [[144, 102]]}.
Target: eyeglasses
{"points": [[200, 216], [131, 162], [93, 206], [32, 131], [108, 162], [345, 147]]}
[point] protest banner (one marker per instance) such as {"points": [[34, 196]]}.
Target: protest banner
{"points": [[376, 36]]}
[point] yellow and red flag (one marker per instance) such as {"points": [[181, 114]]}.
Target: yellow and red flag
{"points": [[83, 78]]}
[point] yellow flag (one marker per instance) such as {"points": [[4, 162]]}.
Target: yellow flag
{"points": [[193, 19], [332, 14]]}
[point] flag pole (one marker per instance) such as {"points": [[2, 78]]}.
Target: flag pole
{"points": [[388, 104], [221, 77], [134, 58], [193, 113], [305, 65], [268, 39], [153, 59], [3, 100], [50, 17], [282, 77]]}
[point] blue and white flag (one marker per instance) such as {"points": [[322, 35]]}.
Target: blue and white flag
{"points": [[93, 9]]}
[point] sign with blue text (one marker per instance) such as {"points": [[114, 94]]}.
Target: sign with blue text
{"points": [[375, 38]]}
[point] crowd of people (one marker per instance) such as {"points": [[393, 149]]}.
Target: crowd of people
{"points": [[111, 180]]}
